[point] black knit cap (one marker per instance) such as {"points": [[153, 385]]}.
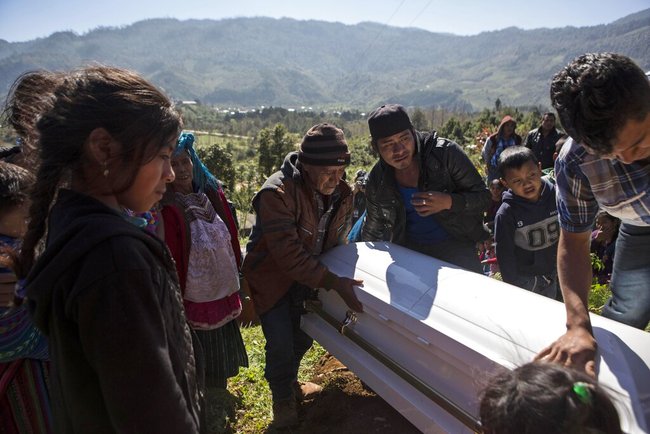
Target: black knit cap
{"points": [[324, 145], [387, 120]]}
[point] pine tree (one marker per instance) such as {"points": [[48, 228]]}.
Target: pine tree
{"points": [[281, 145], [265, 159], [219, 161]]}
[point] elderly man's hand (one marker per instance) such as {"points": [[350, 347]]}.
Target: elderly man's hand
{"points": [[575, 349], [345, 289]]}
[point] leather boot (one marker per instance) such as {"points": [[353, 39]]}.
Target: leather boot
{"points": [[285, 413], [306, 390]]}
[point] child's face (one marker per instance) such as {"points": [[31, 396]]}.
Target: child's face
{"points": [[150, 183], [525, 181], [496, 189]]}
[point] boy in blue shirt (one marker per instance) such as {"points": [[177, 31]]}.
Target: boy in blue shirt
{"points": [[526, 228]]}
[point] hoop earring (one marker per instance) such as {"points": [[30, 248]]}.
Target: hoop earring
{"points": [[106, 171]]}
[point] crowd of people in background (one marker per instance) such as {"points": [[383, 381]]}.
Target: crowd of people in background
{"points": [[121, 295]]}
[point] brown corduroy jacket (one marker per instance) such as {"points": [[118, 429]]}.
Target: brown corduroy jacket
{"points": [[282, 247]]}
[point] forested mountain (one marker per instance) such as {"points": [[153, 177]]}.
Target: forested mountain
{"points": [[264, 61]]}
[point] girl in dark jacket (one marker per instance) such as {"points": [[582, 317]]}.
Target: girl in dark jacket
{"points": [[104, 292]]}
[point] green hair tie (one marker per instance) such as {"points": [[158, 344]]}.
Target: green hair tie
{"points": [[581, 389]]}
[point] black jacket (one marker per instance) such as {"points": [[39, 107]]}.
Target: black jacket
{"points": [[444, 167], [543, 146], [106, 295]]}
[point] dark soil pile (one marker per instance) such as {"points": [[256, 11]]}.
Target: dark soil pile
{"points": [[347, 406]]}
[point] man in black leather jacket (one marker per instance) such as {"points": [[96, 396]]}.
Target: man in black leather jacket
{"points": [[424, 193], [542, 140]]}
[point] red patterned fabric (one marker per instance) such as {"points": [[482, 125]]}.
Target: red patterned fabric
{"points": [[24, 397], [213, 314], [176, 240]]}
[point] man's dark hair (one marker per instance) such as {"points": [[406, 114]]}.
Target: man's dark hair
{"points": [[596, 94], [513, 158], [551, 114]]}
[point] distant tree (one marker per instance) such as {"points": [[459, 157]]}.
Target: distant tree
{"points": [[362, 154], [497, 105], [274, 144], [219, 161], [453, 130], [265, 159], [529, 121], [247, 185], [419, 120], [281, 145], [487, 119]]}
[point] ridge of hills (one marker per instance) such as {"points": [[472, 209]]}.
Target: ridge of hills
{"points": [[247, 62]]}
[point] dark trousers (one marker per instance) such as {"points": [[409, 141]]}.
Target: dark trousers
{"points": [[286, 343]]}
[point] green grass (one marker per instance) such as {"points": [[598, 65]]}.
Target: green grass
{"points": [[598, 296], [247, 406]]}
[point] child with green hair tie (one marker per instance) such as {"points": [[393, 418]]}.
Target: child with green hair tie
{"points": [[546, 398]]}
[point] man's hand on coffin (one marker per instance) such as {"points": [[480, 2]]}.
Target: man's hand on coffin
{"points": [[345, 288], [575, 349]]}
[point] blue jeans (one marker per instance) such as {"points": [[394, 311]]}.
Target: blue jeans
{"points": [[286, 343], [630, 284]]}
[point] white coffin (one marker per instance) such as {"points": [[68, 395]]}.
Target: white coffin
{"points": [[449, 329]]}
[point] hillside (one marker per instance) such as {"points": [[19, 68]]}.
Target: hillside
{"points": [[286, 62]]}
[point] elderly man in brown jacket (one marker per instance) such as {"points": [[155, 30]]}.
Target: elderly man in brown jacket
{"points": [[302, 210]]}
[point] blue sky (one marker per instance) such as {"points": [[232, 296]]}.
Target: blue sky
{"points": [[22, 20]]}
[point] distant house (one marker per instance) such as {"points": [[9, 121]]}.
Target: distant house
{"points": [[189, 102]]}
